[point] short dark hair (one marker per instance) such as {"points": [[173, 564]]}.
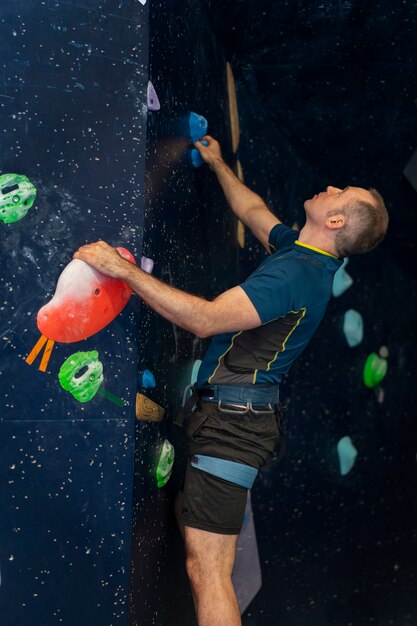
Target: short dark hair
{"points": [[366, 225]]}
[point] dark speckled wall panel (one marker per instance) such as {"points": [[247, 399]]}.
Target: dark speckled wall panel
{"points": [[190, 234], [73, 120]]}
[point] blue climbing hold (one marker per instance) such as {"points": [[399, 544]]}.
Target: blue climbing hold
{"points": [[353, 327], [347, 455], [147, 379], [341, 280], [198, 126], [195, 156]]}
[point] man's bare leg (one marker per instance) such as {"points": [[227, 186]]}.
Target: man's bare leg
{"points": [[209, 559]]}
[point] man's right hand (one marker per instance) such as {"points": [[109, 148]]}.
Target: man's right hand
{"points": [[211, 154]]}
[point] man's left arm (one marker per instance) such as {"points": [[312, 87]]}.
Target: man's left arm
{"points": [[229, 312]]}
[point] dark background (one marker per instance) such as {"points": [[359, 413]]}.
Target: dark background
{"points": [[326, 95]]}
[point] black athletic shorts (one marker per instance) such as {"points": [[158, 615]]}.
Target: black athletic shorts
{"points": [[211, 503]]}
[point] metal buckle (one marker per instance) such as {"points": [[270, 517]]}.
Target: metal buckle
{"points": [[232, 411], [271, 409]]}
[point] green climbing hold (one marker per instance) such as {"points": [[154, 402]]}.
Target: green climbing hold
{"points": [[82, 374], [17, 195], [165, 463], [375, 370]]}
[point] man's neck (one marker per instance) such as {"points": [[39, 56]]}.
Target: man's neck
{"points": [[317, 239]]}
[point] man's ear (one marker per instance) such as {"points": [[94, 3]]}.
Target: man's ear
{"points": [[336, 221]]}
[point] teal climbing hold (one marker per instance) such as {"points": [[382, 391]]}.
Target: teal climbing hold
{"points": [[347, 455], [194, 371], [341, 280], [353, 327]]}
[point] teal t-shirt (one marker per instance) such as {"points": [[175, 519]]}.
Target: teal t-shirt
{"points": [[290, 290]]}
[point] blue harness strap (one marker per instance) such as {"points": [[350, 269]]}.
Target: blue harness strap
{"points": [[236, 473]]}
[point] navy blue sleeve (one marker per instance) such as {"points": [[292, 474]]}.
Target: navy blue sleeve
{"points": [[270, 290], [281, 238]]}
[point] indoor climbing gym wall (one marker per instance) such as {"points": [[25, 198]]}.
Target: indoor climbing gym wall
{"points": [[190, 239], [73, 106], [97, 144], [100, 104]]}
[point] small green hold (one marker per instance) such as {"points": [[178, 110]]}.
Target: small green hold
{"points": [[17, 195], [165, 463], [82, 375], [375, 370]]}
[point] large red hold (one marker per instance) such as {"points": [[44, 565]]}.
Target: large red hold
{"points": [[84, 302]]}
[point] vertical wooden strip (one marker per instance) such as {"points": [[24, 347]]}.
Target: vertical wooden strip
{"points": [[234, 116], [235, 130], [240, 226]]}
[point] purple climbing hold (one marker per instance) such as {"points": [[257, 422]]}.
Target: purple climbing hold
{"points": [[146, 264], [153, 101]]}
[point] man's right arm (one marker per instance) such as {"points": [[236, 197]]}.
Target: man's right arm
{"points": [[245, 204]]}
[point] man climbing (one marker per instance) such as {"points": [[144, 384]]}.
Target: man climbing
{"points": [[258, 330]]}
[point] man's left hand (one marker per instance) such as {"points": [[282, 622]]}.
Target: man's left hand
{"points": [[103, 258]]}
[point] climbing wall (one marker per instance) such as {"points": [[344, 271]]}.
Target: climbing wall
{"points": [[76, 166], [73, 113], [191, 237], [90, 151]]}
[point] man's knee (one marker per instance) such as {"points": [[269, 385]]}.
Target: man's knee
{"points": [[209, 556], [194, 569], [203, 571]]}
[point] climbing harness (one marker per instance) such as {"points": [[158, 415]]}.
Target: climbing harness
{"points": [[236, 473], [233, 401]]}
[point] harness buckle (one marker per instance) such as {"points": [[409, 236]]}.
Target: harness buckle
{"points": [[270, 407], [246, 408]]}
